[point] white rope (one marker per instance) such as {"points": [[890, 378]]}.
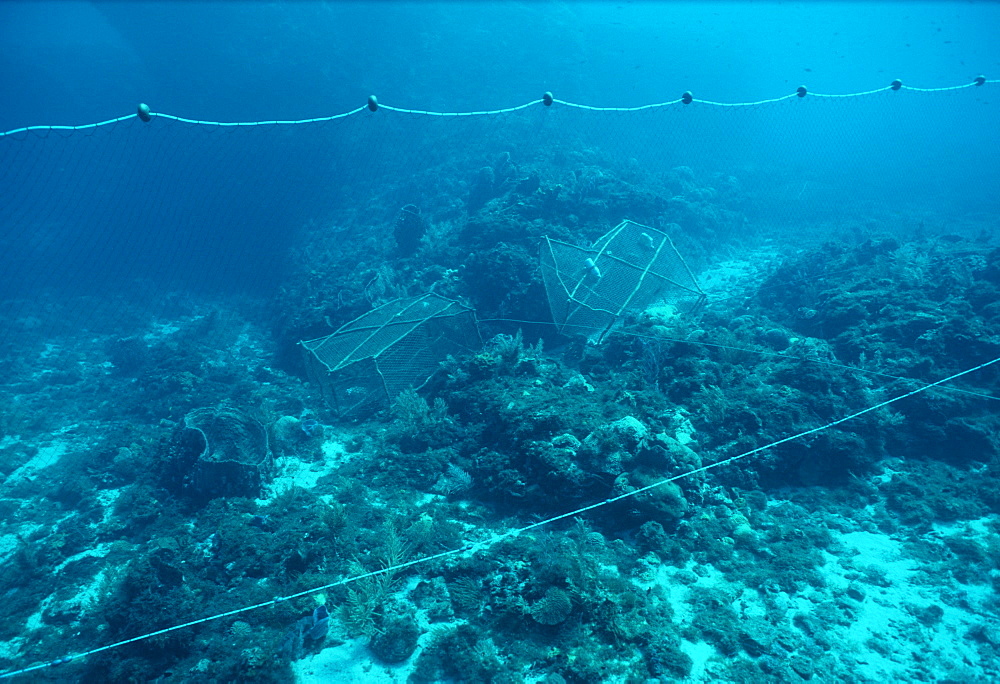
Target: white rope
{"points": [[638, 108], [759, 102], [490, 112], [67, 128], [498, 537], [862, 94], [295, 122], [942, 89]]}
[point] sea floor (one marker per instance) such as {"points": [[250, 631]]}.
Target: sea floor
{"points": [[786, 567]]}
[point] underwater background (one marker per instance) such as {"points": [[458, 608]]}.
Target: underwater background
{"points": [[499, 342]]}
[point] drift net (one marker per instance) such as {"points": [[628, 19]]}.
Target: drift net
{"points": [[312, 297]]}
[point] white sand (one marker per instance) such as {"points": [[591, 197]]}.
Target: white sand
{"points": [[46, 456], [292, 472], [348, 663], [885, 614]]}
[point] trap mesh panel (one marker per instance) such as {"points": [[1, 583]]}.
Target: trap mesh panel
{"points": [[627, 269], [367, 362]]}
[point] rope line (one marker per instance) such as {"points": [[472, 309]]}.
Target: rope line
{"points": [[591, 108], [496, 538], [68, 128], [489, 112], [506, 110], [296, 122], [759, 102], [882, 90]]}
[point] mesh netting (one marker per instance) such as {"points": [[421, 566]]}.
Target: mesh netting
{"points": [[626, 270], [367, 362], [106, 228], [99, 223]]}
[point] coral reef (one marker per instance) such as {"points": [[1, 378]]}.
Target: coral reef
{"points": [[770, 568]]}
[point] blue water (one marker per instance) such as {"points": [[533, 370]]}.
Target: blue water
{"points": [[75, 62], [69, 63]]}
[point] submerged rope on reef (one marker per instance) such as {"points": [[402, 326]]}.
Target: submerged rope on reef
{"points": [[479, 546]]}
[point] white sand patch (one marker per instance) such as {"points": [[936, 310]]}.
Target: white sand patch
{"points": [[46, 456], [723, 277], [25, 530], [684, 429], [750, 604], [661, 313], [35, 619], [161, 330], [107, 498], [887, 634], [99, 551], [334, 452], [50, 349], [701, 654], [8, 544], [11, 650], [678, 591], [295, 473], [979, 528], [708, 575], [85, 598], [90, 594], [881, 549], [347, 663], [350, 663], [292, 472]]}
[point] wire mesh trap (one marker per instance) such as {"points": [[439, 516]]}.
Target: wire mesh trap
{"points": [[629, 268], [367, 362]]}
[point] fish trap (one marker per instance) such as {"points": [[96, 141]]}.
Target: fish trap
{"points": [[366, 363], [628, 269]]}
